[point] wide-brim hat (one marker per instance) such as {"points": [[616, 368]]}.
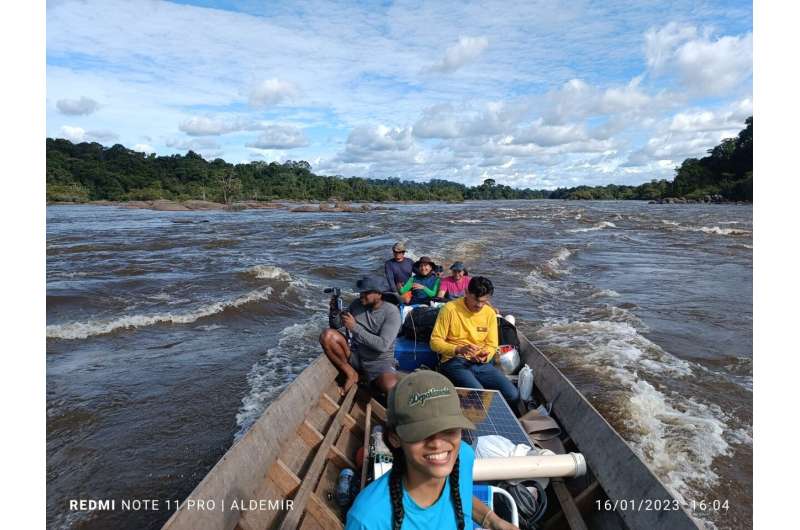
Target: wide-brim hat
{"points": [[424, 403], [424, 259]]}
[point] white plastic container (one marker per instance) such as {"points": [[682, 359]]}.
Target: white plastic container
{"points": [[509, 358], [525, 383]]}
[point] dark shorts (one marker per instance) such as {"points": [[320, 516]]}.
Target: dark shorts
{"points": [[371, 368]]}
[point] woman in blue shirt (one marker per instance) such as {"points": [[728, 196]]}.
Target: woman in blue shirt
{"points": [[430, 484]]}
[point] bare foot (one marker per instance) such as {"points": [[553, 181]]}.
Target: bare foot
{"points": [[352, 379]]}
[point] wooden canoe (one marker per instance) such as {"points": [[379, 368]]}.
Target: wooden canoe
{"points": [[281, 473]]}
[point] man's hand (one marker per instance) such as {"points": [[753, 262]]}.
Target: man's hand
{"points": [[333, 304], [399, 286], [468, 350], [349, 321]]}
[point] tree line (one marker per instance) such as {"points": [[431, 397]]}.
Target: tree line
{"points": [[89, 171]]}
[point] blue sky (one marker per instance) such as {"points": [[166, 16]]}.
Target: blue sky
{"points": [[533, 94]]}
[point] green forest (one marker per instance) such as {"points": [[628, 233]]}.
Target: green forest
{"points": [[89, 171]]}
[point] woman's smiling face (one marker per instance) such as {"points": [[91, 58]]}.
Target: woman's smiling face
{"points": [[434, 456]]}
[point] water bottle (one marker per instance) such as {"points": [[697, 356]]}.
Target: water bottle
{"points": [[346, 488], [378, 445]]}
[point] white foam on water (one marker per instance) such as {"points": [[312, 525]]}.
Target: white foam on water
{"points": [[670, 223], [82, 330], [604, 293], [209, 327], [597, 226], [465, 221], [297, 345], [538, 284], [612, 313], [269, 272], [678, 436], [553, 266], [720, 231]]}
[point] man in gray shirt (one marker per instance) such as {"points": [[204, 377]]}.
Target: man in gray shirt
{"points": [[373, 326]]}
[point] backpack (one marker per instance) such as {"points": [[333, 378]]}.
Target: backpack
{"points": [[419, 324], [507, 333]]}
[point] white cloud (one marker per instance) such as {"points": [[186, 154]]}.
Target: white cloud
{"points": [[78, 134], [704, 64], [271, 92], [74, 134], [195, 144], [465, 51], [280, 137], [144, 148], [77, 107], [207, 126], [550, 135], [660, 44]]}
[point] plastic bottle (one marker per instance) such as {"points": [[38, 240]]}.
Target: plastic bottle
{"points": [[378, 446], [345, 488]]}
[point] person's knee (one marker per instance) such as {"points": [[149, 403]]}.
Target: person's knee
{"points": [[386, 382], [325, 336]]}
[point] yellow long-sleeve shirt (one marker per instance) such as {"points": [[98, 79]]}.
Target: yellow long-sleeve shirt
{"points": [[457, 326]]}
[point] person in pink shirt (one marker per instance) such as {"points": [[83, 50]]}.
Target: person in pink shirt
{"points": [[455, 285]]}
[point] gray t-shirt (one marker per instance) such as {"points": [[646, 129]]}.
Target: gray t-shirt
{"points": [[375, 331]]}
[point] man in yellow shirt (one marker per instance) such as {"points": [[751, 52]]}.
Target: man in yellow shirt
{"points": [[465, 337]]}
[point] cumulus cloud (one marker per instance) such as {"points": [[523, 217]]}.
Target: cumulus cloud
{"points": [[207, 126], [195, 144], [78, 134], [144, 148], [280, 137], [77, 107], [466, 50], [373, 143], [576, 99], [271, 92], [550, 135], [691, 133], [446, 122], [704, 64]]}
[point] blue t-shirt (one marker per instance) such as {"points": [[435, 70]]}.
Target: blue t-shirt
{"points": [[372, 509]]}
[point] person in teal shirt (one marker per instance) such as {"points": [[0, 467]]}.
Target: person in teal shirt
{"points": [[430, 484]]}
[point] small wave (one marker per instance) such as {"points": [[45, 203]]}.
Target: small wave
{"points": [[604, 293], [612, 313], [465, 221], [720, 231], [83, 330], [597, 226], [670, 223], [269, 272], [297, 346], [678, 436], [552, 268], [537, 284]]}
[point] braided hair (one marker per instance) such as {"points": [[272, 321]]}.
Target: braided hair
{"points": [[396, 486]]}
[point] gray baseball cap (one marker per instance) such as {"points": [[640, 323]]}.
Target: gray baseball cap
{"points": [[424, 403], [371, 283]]}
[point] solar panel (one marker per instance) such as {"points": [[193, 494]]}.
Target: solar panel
{"points": [[490, 413]]}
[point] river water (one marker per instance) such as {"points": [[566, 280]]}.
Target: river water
{"points": [[170, 332]]}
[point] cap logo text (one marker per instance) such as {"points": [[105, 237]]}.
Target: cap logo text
{"points": [[419, 398]]}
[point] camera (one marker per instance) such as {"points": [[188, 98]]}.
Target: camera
{"points": [[335, 290]]}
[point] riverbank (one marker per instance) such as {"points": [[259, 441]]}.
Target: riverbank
{"points": [[165, 205]]}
